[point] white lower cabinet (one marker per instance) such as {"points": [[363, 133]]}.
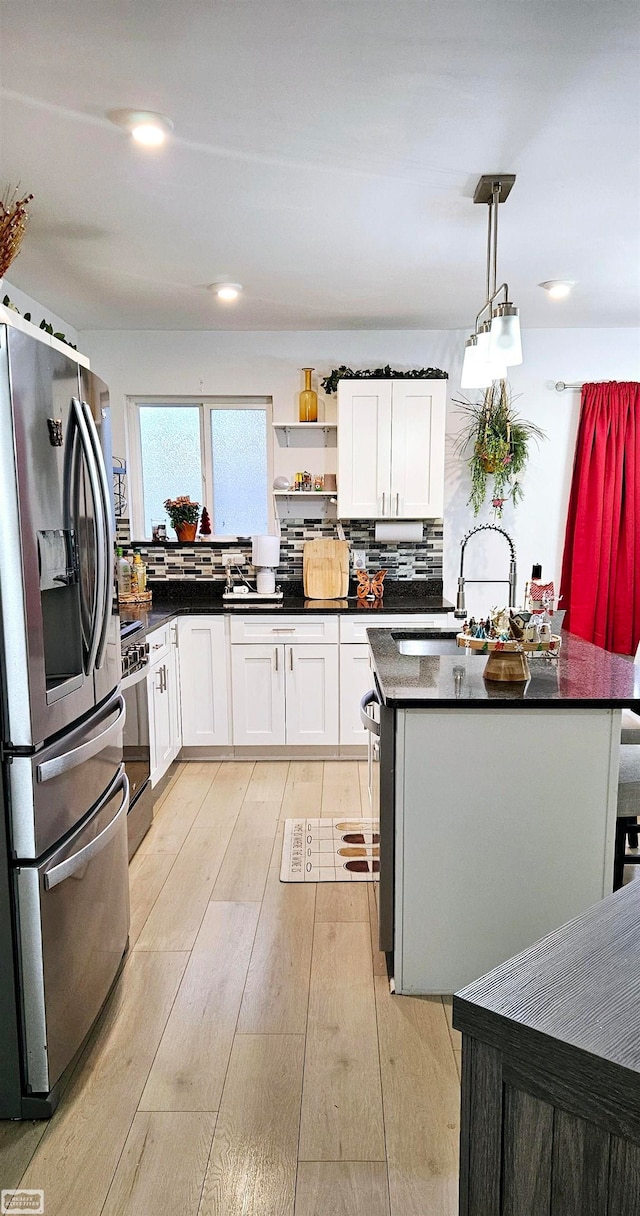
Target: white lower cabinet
{"points": [[284, 694], [355, 680], [204, 681], [163, 686]]}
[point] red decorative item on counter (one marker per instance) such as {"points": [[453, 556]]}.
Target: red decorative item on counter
{"points": [[205, 523]]}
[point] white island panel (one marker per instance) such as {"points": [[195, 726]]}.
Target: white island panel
{"points": [[505, 824]]}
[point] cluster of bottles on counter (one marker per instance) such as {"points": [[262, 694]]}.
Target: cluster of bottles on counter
{"points": [[132, 576]]}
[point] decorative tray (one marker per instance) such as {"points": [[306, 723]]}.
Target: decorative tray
{"points": [[508, 660], [512, 646], [139, 597]]}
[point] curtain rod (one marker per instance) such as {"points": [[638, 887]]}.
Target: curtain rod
{"points": [[561, 386]]}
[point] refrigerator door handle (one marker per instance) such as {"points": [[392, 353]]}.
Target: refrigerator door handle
{"points": [[78, 755], [108, 532], [58, 874], [97, 621]]}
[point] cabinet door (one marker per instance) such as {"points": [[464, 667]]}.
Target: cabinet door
{"points": [[312, 694], [355, 680], [204, 695], [173, 692], [417, 449], [257, 677], [364, 449], [159, 720]]}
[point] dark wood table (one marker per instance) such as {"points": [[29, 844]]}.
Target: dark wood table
{"points": [[550, 1122]]}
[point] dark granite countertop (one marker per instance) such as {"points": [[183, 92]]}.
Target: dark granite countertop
{"points": [[583, 676], [196, 599]]}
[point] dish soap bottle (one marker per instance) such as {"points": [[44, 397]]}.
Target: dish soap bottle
{"points": [[124, 575], [138, 574]]}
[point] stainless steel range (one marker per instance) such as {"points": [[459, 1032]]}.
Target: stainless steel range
{"points": [[137, 748]]}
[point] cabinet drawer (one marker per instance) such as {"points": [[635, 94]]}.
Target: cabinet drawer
{"points": [[159, 643], [284, 629], [354, 628]]}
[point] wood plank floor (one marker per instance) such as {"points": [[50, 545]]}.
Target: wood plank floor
{"points": [[251, 1061]]}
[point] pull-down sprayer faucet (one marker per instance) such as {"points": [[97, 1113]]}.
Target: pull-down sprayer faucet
{"points": [[461, 610]]}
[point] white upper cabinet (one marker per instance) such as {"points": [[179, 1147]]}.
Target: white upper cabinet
{"points": [[364, 449], [391, 449]]}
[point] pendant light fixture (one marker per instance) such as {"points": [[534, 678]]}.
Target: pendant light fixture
{"points": [[495, 343]]}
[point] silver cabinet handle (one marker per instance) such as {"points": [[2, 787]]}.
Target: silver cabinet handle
{"points": [[276, 653], [71, 865], [164, 678], [291, 658], [383, 501], [291, 629], [62, 764], [397, 504], [157, 645], [369, 698]]}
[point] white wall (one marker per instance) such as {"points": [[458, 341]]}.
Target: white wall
{"points": [[213, 363], [39, 312]]}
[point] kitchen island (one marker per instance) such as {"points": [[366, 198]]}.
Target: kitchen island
{"points": [[497, 805]]}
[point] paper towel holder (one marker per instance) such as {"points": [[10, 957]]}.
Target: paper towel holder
{"points": [[392, 531]]}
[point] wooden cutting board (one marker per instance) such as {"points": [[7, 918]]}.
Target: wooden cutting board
{"points": [[325, 568]]}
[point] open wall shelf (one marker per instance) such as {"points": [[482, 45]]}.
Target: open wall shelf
{"points": [[306, 434]]}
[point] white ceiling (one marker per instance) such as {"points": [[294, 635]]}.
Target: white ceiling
{"points": [[325, 155]]}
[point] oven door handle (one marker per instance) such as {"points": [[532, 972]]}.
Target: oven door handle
{"points": [[369, 698], [61, 764], [135, 677], [71, 865]]}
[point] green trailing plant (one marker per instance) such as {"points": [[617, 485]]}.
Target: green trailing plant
{"points": [[330, 382], [495, 441], [44, 325]]}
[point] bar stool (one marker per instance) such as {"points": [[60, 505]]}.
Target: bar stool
{"points": [[628, 811]]}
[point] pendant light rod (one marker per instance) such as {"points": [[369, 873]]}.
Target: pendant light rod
{"points": [[503, 287], [495, 199]]}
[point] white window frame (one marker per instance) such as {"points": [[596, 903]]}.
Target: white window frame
{"points": [[206, 405]]}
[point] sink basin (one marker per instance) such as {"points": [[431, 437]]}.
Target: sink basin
{"points": [[425, 645]]}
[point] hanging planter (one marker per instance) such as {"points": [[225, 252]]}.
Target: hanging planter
{"points": [[499, 443]]}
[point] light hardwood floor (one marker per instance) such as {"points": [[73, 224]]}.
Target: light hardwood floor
{"points": [[251, 1061]]}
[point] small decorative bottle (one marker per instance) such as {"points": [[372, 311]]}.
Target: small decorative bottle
{"points": [[308, 399]]}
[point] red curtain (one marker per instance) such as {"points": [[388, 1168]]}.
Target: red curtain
{"points": [[601, 565]]}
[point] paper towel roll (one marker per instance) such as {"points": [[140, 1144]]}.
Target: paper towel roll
{"points": [[265, 550], [396, 530]]}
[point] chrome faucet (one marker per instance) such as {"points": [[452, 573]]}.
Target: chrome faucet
{"points": [[461, 610]]}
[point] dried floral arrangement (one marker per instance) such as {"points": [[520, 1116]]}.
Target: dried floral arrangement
{"points": [[13, 221], [330, 382]]}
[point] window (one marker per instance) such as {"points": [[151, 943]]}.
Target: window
{"points": [[215, 451]]}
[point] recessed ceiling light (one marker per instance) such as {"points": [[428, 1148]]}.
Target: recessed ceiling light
{"points": [[145, 126], [226, 291], [558, 289]]}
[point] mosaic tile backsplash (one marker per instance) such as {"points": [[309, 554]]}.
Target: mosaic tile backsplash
{"points": [[421, 560]]}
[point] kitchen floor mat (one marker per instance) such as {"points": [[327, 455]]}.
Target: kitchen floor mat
{"points": [[330, 850]]}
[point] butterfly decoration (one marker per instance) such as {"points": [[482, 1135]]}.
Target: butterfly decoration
{"points": [[370, 588]]}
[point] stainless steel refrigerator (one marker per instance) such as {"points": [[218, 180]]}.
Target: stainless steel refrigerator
{"points": [[64, 899]]}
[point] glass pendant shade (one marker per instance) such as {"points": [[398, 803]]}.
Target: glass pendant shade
{"points": [[505, 343], [493, 368], [475, 370]]}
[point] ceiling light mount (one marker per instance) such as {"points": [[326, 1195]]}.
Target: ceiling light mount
{"points": [[495, 342], [558, 289], [226, 291], [145, 126]]}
